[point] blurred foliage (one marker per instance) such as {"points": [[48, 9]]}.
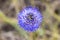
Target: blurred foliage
{"points": [[50, 27]]}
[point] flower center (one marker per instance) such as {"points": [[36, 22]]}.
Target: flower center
{"points": [[30, 18]]}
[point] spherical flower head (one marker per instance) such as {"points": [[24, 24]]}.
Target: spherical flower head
{"points": [[29, 18]]}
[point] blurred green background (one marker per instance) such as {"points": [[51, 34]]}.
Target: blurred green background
{"points": [[49, 29]]}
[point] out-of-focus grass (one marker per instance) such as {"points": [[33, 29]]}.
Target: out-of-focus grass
{"points": [[42, 33], [14, 23]]}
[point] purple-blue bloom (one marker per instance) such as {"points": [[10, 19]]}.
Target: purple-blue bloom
{"points": [[29, 18]]}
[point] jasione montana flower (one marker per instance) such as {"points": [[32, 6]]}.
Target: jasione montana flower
{"points": [[29, 18]]}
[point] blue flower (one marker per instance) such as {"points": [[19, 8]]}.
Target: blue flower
{"points": [[29, 18]]}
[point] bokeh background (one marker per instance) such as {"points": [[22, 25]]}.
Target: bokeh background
{"points": [[49, 28]]}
